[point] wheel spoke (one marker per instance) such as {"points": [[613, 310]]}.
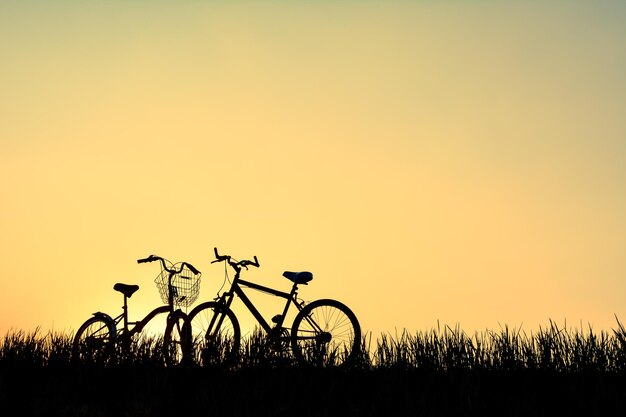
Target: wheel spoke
{"points": [[93, 341], [214, 335], [325, 333]]}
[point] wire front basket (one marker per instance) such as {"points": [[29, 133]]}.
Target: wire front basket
{"points": [[184, 287]]}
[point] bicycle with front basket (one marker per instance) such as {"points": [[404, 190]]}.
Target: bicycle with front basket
{"points": [[178, 284], [323, 333]]}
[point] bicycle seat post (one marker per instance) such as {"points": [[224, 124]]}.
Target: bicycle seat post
{"points": [[125, 313], [294, 289]]}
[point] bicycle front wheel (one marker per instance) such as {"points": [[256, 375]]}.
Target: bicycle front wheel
{"points": [[175, 339], [214, 335], [95, 340], [325, 333]]}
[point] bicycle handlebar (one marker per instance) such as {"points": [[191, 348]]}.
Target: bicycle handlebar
{"points": [[150, 258], [153, 258], [236, 265], [219, 258], [191, 268]]}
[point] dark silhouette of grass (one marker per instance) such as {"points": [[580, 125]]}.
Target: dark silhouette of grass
{"points": [[441, 372], [551, 348]]}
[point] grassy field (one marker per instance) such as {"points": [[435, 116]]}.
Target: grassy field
{"points": [[441, 372]]}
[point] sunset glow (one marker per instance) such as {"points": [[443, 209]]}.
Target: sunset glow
{"points": [[454, 161]]}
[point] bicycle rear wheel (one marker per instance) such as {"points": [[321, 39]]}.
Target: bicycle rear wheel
{"points": [[94, 341], [175, 339], [214, 335], [325, 333]]}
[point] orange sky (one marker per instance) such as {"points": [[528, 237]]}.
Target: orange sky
{"points": [[452, 161]]}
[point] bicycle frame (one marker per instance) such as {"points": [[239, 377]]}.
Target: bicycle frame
{"points": [[323, 330], [168, 308], [102, 331], [137, 326], [236, 289]]}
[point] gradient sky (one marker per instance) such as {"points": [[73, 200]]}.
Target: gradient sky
{"points": [[460, 161]]}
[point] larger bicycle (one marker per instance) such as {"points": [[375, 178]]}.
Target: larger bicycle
{"points": [[323, 333]]}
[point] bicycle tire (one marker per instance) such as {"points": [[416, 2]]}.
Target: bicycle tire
{"points": [[175, 339], [325, 333], [217, 345], [94, 341]]}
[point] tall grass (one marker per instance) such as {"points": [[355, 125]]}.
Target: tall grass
{"points": [[34, 349], [552, 347], [53, 349], [439, 372]]}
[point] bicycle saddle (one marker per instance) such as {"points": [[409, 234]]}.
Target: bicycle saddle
{"points": [[298, 277], [127, 290]]}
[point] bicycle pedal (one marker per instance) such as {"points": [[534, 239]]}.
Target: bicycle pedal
{"points": [[277, 318]]}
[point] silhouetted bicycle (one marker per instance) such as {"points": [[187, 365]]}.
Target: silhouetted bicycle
{"points": [[323, 333], [178, 285]]}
